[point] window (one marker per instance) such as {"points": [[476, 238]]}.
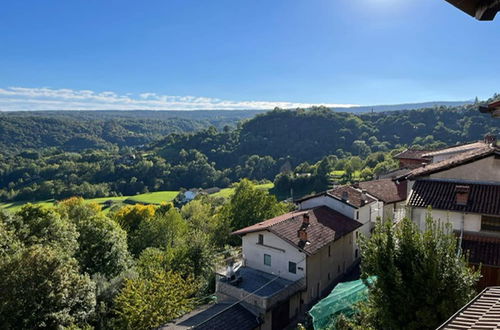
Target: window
{"points": [[329, 250], [490, 223], [356, 254], [357, 215], [267, 260], [261, 239], [329, 277], [292, 267]]}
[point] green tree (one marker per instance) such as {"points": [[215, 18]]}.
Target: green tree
{"points": [[161, 231], [249, 205], [421, 280], [9, 243], [102, 244], [146, 303], [200, 215], [35, 224], [42, 288]]}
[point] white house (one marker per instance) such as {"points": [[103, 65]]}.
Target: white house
{"points": [[351, 202], [464, 190], [290, 261]]}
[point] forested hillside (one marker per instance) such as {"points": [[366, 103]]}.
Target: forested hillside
{"points": [[308, 135], [98, 154], [79, 130]]}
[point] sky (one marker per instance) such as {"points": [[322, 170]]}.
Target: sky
{"points": [[239, 54]]}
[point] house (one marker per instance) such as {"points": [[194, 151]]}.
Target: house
{"points": [[412, 158], [446, 153], [464, 190], [492, 108], [390, 194], [483, 10], [349, 201], [289, 262], [482, 312]]}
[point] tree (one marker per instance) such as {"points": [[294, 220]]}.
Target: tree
{"points": [[129, 217], [249, 205], [421, 280], [102, 244], [35, 224], [146, 303], [42, 288], [161, 231], [9, 243], [201, 216]]}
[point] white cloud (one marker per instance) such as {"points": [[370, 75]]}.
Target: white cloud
{"points": [[20, 98]]}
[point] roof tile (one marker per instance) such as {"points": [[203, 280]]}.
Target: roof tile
{"points": [[325, 226]]}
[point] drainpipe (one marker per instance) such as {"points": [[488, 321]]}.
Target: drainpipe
{"points": [[459, 252]]}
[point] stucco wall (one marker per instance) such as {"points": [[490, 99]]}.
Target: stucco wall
{"points": [[280, 251], [486, 169], [324, 268], [472, 222]]}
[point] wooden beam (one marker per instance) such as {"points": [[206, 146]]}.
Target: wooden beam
{"points": [[482, 10]]}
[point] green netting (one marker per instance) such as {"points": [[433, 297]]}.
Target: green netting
{"points": [[340, 301]]}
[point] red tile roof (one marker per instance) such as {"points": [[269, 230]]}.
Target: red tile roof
{"points": [[441, 195], [457, 160], [412, 154], [386, 190], [325, 226], [457, 148], [355, 197], [482, 249]]}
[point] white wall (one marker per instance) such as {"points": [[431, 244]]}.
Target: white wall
{"points": [[332, 203], [472, 222], [280, 251]]}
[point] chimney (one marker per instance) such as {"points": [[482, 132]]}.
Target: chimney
{"points": [[305, 220], [364, 199], [302, 234], [462, 195], [345, 195], [490, 139]]}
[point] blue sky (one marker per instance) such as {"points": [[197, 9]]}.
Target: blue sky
{"points": [[241, 54]]}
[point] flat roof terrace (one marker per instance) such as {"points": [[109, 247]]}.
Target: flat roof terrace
{"points": [[258, 288]]}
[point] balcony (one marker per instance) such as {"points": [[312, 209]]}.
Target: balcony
{"points": [[258, 289]]}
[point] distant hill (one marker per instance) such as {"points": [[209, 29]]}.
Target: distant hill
{"points": [[77, 130], [404, 106]]}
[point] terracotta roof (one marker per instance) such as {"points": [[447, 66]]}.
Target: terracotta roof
{"points": [[459, 159], [457, 148], [482, 312], [355, 197], [386, 190], [441, 195], [412, 154], [482, 249], [325, 226]]}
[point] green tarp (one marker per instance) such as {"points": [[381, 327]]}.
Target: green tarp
{"points": [[340, 301]]}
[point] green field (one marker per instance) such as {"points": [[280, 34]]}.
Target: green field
{"points": [[226, 192], [149, 198]]}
